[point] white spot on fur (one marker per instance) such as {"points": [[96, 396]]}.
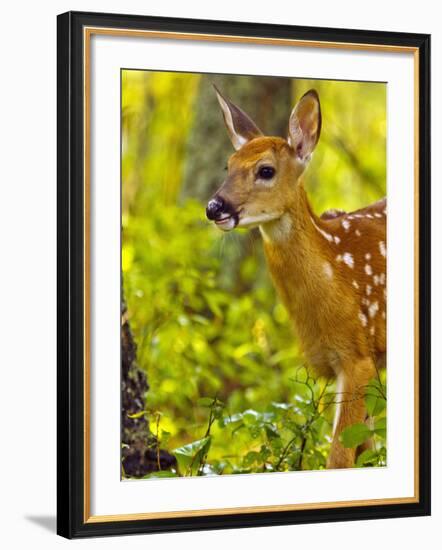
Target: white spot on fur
{"points": [[357, 233], [372, 330], [364, 301], [358, 216], [369, 216], [347, 258], [346, 224], [368, 256], [382, 278], [363, 319], [323, 233], [339, 258], [368, 269], [376, 280], [383, 315], [355, 284], [328, 270], [373, 309], [382, 248], [368, 290], [377, 215], [337, 239]]}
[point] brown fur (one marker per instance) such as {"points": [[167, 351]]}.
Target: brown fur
{"points": [[325, 313]]}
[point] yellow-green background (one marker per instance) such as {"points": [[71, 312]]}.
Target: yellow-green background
{"points": [[204, 314]]}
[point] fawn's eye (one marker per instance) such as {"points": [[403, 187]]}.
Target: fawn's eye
{"points": [[266, 172]]}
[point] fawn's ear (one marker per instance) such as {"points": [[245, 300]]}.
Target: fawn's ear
{"points": [[305, 125], [240, 127]]}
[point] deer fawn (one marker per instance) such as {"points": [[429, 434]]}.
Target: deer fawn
{"points": [[330, 271]]}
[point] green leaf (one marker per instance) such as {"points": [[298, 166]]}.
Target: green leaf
{"points": [[231, 419], [190, 456], [355, 435], [137, 415], [271, 432], [205, 402], [380, 427], [217, 412], [200, 319], [382, 456], [264, 453], [277, 445], [213, 303], [254, 431], [281, 406], [367, 458], [374, 398], [250, 458], [375, 405], [251, 417], [302, 392]]}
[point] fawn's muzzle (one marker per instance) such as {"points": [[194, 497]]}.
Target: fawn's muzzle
{"points": [[222, 213], [215, 208]]}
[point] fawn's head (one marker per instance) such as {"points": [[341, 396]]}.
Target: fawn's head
{"points": [[263, 172]]}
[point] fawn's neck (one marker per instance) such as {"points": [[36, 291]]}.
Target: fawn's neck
{"points": [[298, 253]]}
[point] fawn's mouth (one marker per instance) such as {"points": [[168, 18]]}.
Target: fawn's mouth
{"points": [[227, 222]]}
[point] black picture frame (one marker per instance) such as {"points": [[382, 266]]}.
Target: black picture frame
{"points": [[71, 396]]}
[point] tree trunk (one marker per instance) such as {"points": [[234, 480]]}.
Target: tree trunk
{"points": [[140, 452]]}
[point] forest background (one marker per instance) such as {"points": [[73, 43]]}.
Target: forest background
{"points": [[229, 391]]}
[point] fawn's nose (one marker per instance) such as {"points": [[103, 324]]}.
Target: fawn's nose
{"points": [[214, 208]]}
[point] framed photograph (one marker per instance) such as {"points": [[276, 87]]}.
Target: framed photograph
{"points": [[238, 346]]}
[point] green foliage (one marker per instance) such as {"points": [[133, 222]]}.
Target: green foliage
{"points": [[355, 435], [282, 437], [375, 398], [191, 457], [227, 379], [374, 430]]}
